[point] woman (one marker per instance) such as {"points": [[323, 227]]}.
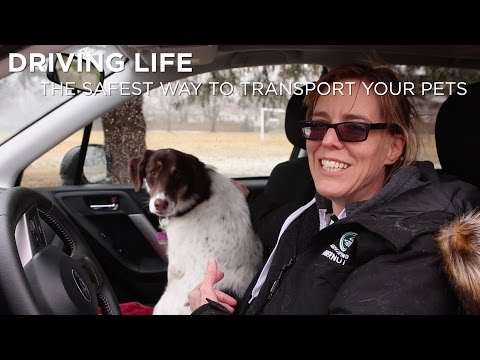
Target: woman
{"points": [[365, 243]]}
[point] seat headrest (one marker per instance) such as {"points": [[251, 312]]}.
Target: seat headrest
{"points": [[457, 134], [296, 111]]}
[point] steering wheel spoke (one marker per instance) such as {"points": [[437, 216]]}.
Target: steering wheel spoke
{"points": [[29, 235], [38, 278]]}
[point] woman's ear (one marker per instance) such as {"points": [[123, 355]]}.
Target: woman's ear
{"points": [[396, 149]]}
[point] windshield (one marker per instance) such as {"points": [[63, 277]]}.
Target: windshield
{"points": [[24, 99]]}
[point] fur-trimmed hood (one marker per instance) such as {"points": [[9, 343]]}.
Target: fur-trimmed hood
{"points": [[459, 244]]}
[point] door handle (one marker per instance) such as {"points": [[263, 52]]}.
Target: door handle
{"points": [[103, 202], [112, 207]]}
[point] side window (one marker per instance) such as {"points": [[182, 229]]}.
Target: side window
{"points": [[432, 87], [45, 171], [231, 119], [57, 166]]}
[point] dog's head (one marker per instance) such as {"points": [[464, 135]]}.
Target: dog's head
{"points": [[176, 181]]}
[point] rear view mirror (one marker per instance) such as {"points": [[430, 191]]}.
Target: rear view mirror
{"points": [[77, 76]]}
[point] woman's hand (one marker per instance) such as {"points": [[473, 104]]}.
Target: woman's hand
{"points": [[197, 297]]}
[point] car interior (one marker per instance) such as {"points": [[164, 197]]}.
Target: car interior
{"points": [[97, 240]]}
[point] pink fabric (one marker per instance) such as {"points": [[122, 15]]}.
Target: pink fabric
{"points": [[135, 308]]}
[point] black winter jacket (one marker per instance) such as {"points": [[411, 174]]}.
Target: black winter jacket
{"points": [[380, 260]]}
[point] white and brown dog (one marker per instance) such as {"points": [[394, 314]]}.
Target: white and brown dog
{"points": [[207, 217]]}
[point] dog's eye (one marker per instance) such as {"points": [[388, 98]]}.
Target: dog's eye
{"points": [[153, 173], [177, 175]]}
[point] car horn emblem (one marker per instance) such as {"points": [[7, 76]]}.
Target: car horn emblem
{"points": [[82, 286]]}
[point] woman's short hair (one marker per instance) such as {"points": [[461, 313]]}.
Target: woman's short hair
{"points": [[395, 109]]}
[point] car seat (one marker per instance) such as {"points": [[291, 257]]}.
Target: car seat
{"points": [[457, 134], [290, 184]]}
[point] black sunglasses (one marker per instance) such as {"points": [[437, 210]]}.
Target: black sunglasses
{"points": [[349, 131]]}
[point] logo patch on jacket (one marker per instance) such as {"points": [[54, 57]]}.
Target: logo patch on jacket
{"points": [[338, 255], [346, 240]]}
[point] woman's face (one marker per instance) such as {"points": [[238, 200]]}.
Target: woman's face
{"points": [[346, 172]]}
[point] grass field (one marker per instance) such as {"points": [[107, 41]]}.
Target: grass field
{"points": [[236, 154]]}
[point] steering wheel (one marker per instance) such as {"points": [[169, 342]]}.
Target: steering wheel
{"points": [[37, 278]]}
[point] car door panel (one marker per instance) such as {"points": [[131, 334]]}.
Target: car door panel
{"points": [[122, 235]]}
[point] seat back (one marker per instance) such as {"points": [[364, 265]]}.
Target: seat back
{"points": [[289, 186], [457, 138], [295, 112], [457, 134], [291, 180]]}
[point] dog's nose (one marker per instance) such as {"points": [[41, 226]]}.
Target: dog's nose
{"points": [[160, 204]]}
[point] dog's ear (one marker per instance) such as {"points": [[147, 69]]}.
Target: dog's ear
{"points": [[136, 169], [200, 176]]}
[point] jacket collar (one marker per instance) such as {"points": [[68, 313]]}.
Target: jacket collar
{"points": [[396, 229]]}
